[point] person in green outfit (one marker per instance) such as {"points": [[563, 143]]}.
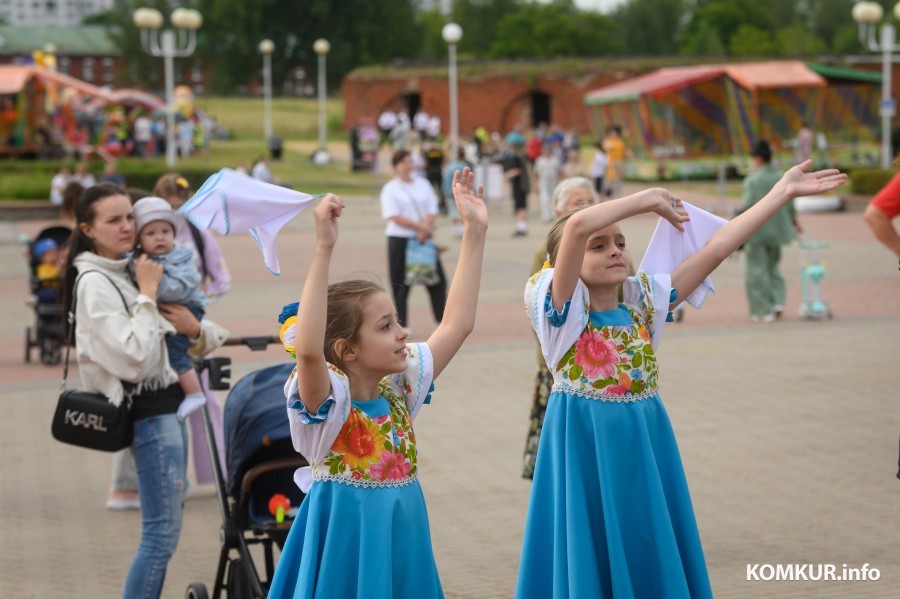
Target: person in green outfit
{"points": [[765, 285]]}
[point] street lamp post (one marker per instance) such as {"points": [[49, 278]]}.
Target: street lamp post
{"points": [[169, 45], [321, 48], [266, 47], [867, 14], [452, 33]]}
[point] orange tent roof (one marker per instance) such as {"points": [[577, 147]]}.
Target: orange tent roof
{"points": [[751, 75], [774, 73], [14, 77], [659, 81]]}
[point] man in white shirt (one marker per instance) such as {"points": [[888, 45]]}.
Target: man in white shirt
{"points": [[434, 127], [420, 123], [143, 135], [387, 120], [261, 170], [58, 184]]}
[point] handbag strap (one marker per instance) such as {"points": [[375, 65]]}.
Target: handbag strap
{"points": [[71, 316], [412, 201]]}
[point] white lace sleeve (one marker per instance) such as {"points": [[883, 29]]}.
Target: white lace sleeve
{"points": [[314, 434], [416, 382], [650, 295], [556, 330]]}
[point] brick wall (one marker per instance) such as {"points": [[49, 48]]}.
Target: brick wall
{"points": [[497, 103]]}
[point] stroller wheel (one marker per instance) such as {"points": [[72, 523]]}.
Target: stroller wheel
{"points": [[50, 352], [196, 590]]}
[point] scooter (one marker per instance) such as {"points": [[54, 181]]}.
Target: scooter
{"points": [[812, 272]]}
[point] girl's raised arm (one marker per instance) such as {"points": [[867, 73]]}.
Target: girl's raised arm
{"points": [[586, 222], [312, 371], [459, 315], [797, 181]]}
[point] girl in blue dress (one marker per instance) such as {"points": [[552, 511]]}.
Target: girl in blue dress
{"points": [[362, 530], [610, 514]]}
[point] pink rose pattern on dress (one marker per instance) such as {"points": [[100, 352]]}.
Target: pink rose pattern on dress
{"points": [[615, 361], [597, 358], [392, 466]]}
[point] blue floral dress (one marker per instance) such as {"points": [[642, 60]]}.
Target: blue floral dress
{"points": [[610, 514], [362, 530]]}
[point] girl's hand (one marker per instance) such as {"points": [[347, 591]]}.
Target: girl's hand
{"points": [[182, 319], [470, 205], [148, 274], [669, 207], [798, 181], [326, 214]]}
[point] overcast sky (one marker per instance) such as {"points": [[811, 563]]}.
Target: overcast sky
{"points": [[601, 5]]}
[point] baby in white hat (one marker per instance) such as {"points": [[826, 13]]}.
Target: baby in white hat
{"points": [[156, 224]]}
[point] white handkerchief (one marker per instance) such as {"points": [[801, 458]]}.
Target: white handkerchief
{"points": [[231, 202], [669, 247], [303, 478]]}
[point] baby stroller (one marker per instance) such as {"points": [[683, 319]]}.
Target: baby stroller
{"points": [[48, 332], [261, 461], [812, 272]]}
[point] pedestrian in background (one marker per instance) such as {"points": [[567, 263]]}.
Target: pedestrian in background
{"points": [[120, 341], [410, 206], [570, 194], [882, 210], [764, 283]]}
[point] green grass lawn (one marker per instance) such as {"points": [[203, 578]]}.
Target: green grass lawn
{"points": [[292, 118]]}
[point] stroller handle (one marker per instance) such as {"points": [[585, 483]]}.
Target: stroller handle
{"points": [[219, 368], [257, 343]]}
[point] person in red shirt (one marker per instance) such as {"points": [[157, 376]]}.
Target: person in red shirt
{"points": [[882, 209]]}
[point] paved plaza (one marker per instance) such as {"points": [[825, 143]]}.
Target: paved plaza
{"points": [[788, 431]]}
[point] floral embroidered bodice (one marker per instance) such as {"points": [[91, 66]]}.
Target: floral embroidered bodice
{"points": [[608, 355], [376, 447], [612, 360]]}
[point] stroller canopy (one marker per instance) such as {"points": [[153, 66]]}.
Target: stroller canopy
{"points": [[255, 419]]}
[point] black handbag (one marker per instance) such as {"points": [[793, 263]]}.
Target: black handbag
{"points": [[89, 419]]}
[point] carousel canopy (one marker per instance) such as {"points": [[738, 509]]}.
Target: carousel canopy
{"points": [[751, 76], [13, 79]]}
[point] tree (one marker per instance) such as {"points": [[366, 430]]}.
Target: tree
{"points": [[725, 18], [704, 42], [751, 41], [479, 20], [649, 27], [550, 30], [829, 19], [361, 32], [797, 40], [431, 23]]}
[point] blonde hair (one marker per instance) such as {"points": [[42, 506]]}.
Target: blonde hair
{"points": [[171, 185], [346, 302], [554, 237]]}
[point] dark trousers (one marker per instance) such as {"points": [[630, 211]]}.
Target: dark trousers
{"points": [[397, 271]]}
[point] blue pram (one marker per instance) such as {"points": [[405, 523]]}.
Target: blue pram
{"points": [[261, 461]]}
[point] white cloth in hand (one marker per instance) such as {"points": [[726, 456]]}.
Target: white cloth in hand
{"points": [[230, 202], [669, 247]]}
